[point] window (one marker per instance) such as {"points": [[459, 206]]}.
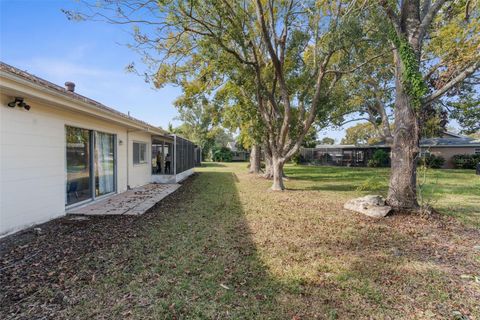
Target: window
{"points": [[477, 151], [90, 160], [139, 153]]}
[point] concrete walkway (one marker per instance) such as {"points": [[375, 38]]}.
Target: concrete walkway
{"points": [[132, 202]]}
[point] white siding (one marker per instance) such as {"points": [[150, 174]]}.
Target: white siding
{"points": [[139, 174], [32, 161]]}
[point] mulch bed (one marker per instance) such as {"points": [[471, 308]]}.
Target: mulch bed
{"points": [[35, 263]]}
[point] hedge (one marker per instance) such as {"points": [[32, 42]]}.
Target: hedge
{"points": [[466, 161]]}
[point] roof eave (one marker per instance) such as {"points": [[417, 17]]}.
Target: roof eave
{"points": [[75, 104]]}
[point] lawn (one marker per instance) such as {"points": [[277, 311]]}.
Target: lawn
{"points": [[224, 247], [452, 192]]}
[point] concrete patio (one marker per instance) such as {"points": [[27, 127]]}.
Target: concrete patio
{"points": [[132, 202]]}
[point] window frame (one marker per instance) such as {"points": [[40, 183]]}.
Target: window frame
{"points": [[137, 159]]}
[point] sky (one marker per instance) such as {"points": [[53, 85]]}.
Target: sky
{"points": [[35, 36]]}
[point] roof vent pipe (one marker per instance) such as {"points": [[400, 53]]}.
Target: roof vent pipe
{"points": [[70, 86]]}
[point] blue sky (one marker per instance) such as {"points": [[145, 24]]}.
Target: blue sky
{"points": [[37, 37]]}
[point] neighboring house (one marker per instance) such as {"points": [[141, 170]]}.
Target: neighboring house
{"points": [[59, 149], [447, 145], [237, 154]]}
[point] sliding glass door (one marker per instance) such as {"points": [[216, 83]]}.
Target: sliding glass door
{"points": [[79, 183], [90, 161], [104, 163]]}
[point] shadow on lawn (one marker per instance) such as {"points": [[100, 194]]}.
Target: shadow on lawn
{"points": [[196, 259], [193, 256]]}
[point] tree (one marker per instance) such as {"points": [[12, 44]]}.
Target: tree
{"points": [[327, 140], [240, 113], [310, 140], [369, 95], [466, 110], [432, 44], [362, 133], [294, 51], [200, 123]]}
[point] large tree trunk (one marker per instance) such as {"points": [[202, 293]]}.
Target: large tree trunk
{"points": [[277, 174], [268, 163], [402, 193], [255, 159]]}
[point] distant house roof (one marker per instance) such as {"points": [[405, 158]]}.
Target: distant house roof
{"points": [[448, 139], [8, 70], [450, 142], [334, 146]]}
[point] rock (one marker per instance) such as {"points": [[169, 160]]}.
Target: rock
{"points": [[37, 231], [457, 315], [371, 205]]}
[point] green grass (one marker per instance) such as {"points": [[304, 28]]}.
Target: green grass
{"points": [[452, 192], [224, 247]]}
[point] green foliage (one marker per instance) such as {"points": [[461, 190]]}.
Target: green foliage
{"points": [[222, 154], [431, 161], [362, 133], [327, 140], [298, 158], [412, 78], [466, 110], [466, 161], [380, 158], [310, 140]]}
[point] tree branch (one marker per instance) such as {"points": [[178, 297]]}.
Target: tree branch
{"points": [[449, 85], [428, 18]]}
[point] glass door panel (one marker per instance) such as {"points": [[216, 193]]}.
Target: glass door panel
{"points": [[104, 163], [78, 165]]}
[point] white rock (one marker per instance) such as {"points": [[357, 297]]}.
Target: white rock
{"points": [[371, 205]]}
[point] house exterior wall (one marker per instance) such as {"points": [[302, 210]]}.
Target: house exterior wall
{"points": [[449, 152], [139, 174], [33, 161]]}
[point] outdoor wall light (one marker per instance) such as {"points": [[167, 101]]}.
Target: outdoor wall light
{"points": [[19, 103]]}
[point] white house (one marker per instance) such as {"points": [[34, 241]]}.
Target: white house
{"points": [[59, 149]]}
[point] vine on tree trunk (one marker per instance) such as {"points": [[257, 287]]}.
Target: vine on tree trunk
{"points": [[411, 77]]}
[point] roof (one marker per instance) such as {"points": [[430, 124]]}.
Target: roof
{"points": [[333, 146], [450, 142], [6, 69], [460, 141]]}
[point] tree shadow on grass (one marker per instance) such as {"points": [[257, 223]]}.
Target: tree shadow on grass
{"points": [[191, 256]]}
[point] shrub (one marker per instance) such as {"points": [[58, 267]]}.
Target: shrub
{"points": [[432, 161], [298, 158], [466, 161], [222, 154], [379, 159]]}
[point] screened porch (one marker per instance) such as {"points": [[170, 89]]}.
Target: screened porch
{"points": [[173, 158]]}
